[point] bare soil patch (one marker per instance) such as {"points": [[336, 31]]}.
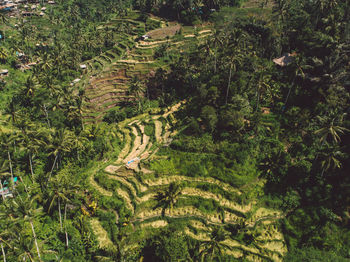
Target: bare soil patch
{"points": [[164, 32]]}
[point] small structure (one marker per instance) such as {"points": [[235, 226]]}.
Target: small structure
{"points": [[83, 66], [24, 67], [5, 192], [8, 7], [43, 9], [41, 14], [51, 2], [75, 81], [145, 37], [132, 161], [285, 60], [4, 72], [33, 7]]}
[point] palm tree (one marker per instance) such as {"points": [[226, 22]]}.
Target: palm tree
{"points": [[6, 234], [62, 141], [3, 54], [298, 71], [137, 89], [263, 83], [3, 17], [235, 43], [211, 248], [167, 199], [33, 139], [5, 144], [330, 129], [62, 188], [330, 159], [217, 42], [23, 210], [2, 249]]}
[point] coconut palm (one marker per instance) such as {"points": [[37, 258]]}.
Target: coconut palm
{"points": [[3, 17], [137, 89], [331, 130], [3, 54], [62, 189], [32, 139], [23, 210], [7, 234], [5, 145], [167, 199], [330, 159], [62, 141], [263, 83], [215, 246]]}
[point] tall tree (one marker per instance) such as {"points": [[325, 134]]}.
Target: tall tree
{"points": [[167, 199]]}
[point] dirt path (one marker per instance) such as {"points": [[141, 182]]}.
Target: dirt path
{"points": [[148, 43], [204, 31], [131, 61]]}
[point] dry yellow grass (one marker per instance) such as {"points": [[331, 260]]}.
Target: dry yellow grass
{"points": [[102, 237]]}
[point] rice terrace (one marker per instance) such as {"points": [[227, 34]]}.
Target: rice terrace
{"points": [[172, 131]]}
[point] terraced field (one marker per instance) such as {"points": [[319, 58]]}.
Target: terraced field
{"points": [[135, 185], [107, 76]]}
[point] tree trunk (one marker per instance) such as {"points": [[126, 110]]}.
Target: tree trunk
{"points": [[2, 191], [3, 252], [31, 166], [215, 61], [53, 166], [46, 116], [285, 102], [10, 162], [257, 100], [65, 228], [59, 212], [228, 84], [35, 240]]}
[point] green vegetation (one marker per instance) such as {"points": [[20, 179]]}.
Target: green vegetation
{"points": [[175, 131]]}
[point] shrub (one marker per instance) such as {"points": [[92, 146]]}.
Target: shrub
{"points": [[149, 129]]}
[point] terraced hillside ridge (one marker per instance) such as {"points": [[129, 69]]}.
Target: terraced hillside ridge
{"points": [[135, 185], [108, 76]]}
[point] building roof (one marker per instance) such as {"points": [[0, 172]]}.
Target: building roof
{"points": [[285, 60]]}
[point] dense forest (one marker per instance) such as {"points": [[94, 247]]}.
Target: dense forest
{"points": [[175, 130]]}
